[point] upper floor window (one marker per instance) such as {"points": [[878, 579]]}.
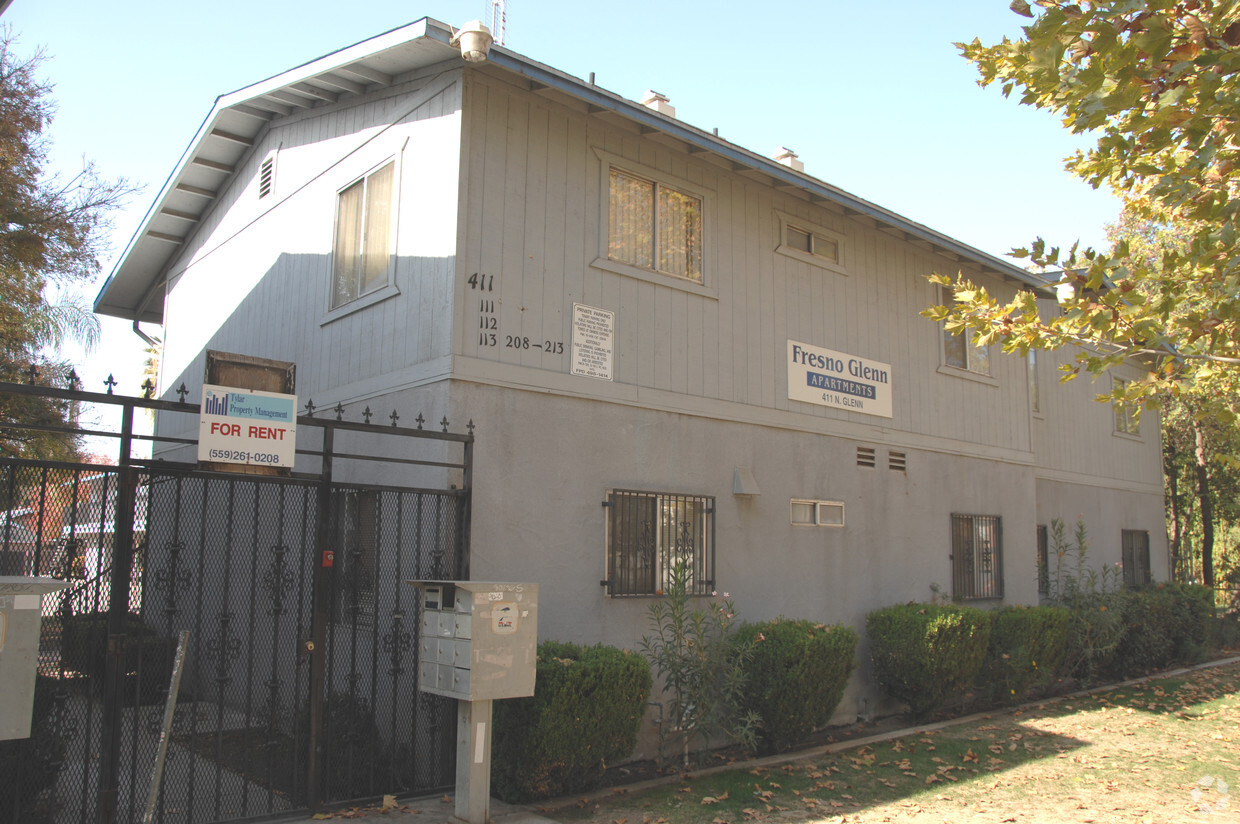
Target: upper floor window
{"points": [[362, 253], [960, 351], [654, 226], [1035, 388], [810, 244], [1126, 420]]}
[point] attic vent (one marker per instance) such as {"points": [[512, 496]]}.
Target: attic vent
{"points": [[865, 456], [658, 102], [789, 158], [897, 461], [266, 177]]}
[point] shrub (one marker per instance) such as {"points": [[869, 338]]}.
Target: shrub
{"points": [[30, 766], [700, 668], [586, 710], [1027, 647], [1091, 597], [795, 677], [148, 655], [924, 654], [1164, 624]]}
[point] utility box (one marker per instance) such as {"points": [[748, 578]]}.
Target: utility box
{"points": [[479, 639], [21, 615]]}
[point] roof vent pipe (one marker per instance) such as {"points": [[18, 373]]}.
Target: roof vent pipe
{"points": [[658, 102], [789, 158]]}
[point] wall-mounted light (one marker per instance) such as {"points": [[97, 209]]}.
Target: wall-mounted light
{"points": [[474, 40]]}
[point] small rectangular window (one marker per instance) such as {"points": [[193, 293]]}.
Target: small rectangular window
{"points": [[654, 226], [649, 533], [362, 252], [977, 557], [1127, 419], [1035, 389], [817, 513], [811, 244], [1135, 548]]}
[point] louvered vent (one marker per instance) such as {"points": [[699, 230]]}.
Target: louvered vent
{"points": [[266, 177], [865, 456], [897, 461]]}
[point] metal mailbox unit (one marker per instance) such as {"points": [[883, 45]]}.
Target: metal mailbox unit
{"points": [[21, 615], [479, 642]]}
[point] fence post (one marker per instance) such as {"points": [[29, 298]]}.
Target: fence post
{"points": [[118, 612], [322, 581]]}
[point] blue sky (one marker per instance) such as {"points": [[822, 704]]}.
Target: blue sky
{"points": [[874, 97]]}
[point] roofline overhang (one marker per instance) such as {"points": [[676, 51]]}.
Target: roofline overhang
{"points": [[597, 100]]}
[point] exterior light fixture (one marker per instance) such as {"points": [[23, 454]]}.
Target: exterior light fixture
{"points": [[474, 40]]}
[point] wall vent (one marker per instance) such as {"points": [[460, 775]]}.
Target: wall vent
{"points": [[897, 461], [865, 456], [266, 177]]}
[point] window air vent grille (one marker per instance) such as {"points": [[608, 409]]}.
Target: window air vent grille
{"points": [[897, 461], [266, 176], [865, 456]]}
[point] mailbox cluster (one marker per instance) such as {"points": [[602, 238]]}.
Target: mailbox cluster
{"points": [[479, 639]]}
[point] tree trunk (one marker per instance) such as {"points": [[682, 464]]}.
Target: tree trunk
{"points": [[1207, 511]]}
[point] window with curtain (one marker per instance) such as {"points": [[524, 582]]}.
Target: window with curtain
{"points": [[654, 226], [362, 251], [649, 533]]}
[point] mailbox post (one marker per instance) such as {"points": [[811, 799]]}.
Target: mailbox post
{"points": [[479, 642], [21, 614]]}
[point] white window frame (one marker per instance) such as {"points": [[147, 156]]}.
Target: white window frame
{"points": [[706, 287], [820, 514], [1126, 421], [385, 286], [818, 235]]}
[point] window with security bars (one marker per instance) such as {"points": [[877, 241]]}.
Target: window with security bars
{"points": [[1135, 546], [649, 533], [1044, 562], [977, 557]]}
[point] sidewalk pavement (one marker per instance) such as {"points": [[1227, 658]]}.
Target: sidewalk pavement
{"points": [[423, 811]]}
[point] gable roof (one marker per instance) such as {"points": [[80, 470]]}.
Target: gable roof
{"points": [[135, 288]]}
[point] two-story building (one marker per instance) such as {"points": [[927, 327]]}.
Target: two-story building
{"points": [[672, 348]]}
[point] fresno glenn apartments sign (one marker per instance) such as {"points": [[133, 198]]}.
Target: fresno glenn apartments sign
{"points": [[837, 379]]}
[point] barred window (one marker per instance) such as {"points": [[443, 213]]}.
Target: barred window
{"points": [[1135, 546], [649, 533], [977, 556], [1044, 562]]}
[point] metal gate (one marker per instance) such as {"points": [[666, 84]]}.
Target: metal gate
{"points": [[299, 686]]}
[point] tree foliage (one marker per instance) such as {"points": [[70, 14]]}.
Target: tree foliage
{"points": [[51, 235], [1157, 83]]}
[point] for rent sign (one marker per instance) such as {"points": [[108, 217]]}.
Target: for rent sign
{"points": [[257, 428], [839, 380]]}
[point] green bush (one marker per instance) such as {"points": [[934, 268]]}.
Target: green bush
{"points": [[1027, 647], [795, 676], [585, 713], [924, 654], [1164, 624], [30, 766]]}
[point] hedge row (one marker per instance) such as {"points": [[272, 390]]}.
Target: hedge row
{"points": [[928, 654]]}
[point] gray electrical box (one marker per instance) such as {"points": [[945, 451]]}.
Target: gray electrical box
{"points": [[479, 639], [21, 614]]}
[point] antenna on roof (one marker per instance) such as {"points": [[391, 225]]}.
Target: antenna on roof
{"points": [[498, 13]]}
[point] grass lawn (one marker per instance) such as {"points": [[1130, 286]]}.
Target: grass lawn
{"points": [[1162, 751]]}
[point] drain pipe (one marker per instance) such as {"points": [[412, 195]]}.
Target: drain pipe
{"points": [[150, 341]]}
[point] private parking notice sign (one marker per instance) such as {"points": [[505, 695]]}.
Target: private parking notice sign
{"points": [[251, 428]]}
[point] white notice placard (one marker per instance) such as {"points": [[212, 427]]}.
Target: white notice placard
{"points": [[594, 338], [837, 379], [254, 428]]}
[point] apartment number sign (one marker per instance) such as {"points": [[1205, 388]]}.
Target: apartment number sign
{"points": [[839, 380]]}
